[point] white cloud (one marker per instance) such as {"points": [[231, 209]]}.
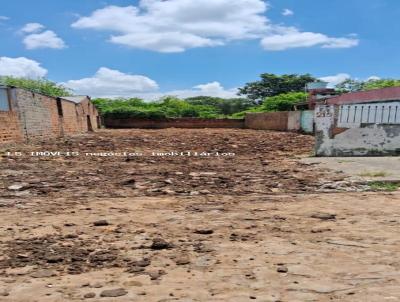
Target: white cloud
{"points": [[335, 79], [4, 18], [32, 28], [287, 12], [21, 67], [292, 38], [37, 37], [178, 25], [112, 83], [214, 89], [46, 39], [373, 78]]}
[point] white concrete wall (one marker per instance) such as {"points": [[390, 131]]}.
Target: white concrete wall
{"points": [[366, 139]]}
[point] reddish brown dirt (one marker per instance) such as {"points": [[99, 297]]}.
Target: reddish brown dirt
{"points": [[264, 162], [173, 228]]}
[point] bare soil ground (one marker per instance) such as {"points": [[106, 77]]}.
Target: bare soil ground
{"points": [[243, 219]]}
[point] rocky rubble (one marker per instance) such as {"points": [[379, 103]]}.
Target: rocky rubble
{"points": [[263, 162]]}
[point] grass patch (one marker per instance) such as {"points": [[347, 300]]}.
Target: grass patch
{"points": [[384, 186], [374, 174]]}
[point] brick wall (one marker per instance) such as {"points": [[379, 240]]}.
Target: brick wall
{"points": [[10, 130], [34, 114], [70, 120], [88, 109], [41, 117], [267, 121], [174, 123]]}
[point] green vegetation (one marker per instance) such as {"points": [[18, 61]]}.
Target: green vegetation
{"points": [[202, 107], [224, 106], [42, 86], [384, 186], [272, 85], [168, 107], [351, 85], [281, 102]]}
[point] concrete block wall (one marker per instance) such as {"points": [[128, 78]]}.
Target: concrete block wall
{"points": [[366, 140], [294, 120], [10, 128]]}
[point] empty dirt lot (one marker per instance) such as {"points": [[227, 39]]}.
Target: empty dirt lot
{"points": [[190, 215]]}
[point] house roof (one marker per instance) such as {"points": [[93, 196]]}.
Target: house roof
{"points": [[370, 96], [76, 99]]}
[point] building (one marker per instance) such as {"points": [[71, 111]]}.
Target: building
{"points": [[365, 123], [29, 116]]}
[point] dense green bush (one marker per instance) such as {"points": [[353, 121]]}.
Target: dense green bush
{"points": [[281, 102], [168, 107], [284, 101], [42, 86]]}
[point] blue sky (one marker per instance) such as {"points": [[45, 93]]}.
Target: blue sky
{"points": [[152, 47]]}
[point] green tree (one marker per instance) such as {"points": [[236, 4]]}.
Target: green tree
{"points": [[224, 106], [272, 85], [351, 85], [284, 101], [42, 85], [382, 83]]}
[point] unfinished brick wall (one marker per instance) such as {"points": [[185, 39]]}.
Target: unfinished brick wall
{"points": [[10, 130], [40, 117], [174, 123], [34, 114], [89, 111], [267, 121], [70, 120]]}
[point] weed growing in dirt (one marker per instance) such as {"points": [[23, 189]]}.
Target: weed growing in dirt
{"points": [[384, 186], [374, 174]]}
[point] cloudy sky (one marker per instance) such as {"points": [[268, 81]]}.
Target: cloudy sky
{"points": [[205, 47]]}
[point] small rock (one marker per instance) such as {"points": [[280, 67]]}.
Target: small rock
{"points": [[130, 181], [160, 244], [324, 216], [320, 230], [43, 274], [101, 223], [135, 269], [113, 293], [182, 260], [89, 295], [18, 187], [204, 231], [168, 191], [4, 294], [97, 285], [154, 275], [54, 258], [204, 192], [194, 193], [282, 269], [168, 181]]}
